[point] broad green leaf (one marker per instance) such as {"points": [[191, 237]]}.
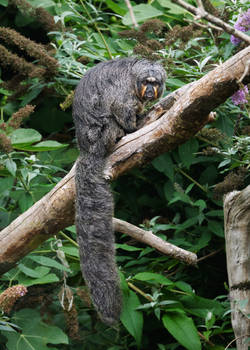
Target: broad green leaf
{"points": [[119, 8], [4, 3], [21, 137], [187, 152], [43, 146], [185, 287], [6, 185], [173, 8], [216, 227], [153, 278], [182, 329], [26, 281], [35, 273], [25, 201], [73, 251], [142, 12], [175, 83], [199, 306], [131, 318], [11, 166], [33, 93], [44, 260], [165, 165], [35, 333]]}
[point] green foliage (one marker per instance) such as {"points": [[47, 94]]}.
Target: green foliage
{"points": [[167, 305], [35, 333]]}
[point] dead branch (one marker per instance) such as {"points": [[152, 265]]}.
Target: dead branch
{"points": [[188, 114], [154, 241]]}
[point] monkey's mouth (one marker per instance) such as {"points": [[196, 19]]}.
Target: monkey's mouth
{"points": [[149, 95]]}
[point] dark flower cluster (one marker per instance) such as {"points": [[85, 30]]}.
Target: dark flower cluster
{"points": [[146, 46], [30, 47], [233, 181], [38, 13], [10, 296], [17, 118]]}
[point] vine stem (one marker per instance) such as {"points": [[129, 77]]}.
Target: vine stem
{"points": [[191, 179], [138, 290], [69, 239]]}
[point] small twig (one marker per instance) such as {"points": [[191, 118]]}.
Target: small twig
{"points": [[192, 180], [209, 255], [210, 18], [206, 340], [231, 342], [131, 12], [136, 289], [205, 26]]}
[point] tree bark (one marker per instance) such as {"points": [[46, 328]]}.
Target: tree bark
{"points": [[237, 234], [188, 113]]}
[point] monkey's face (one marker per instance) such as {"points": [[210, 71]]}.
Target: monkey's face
{"points": [[149, 88]]}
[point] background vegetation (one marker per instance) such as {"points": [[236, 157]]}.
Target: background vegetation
{"points": [[167, 305]]}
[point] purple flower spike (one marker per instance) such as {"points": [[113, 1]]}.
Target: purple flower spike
{"points": [[242, 24], [239, 97]]}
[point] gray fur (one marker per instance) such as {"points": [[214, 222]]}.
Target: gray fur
{"points": [[106, 107]]}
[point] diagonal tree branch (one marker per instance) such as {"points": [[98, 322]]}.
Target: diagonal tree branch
{"points": [[188, 114], [201, 13]]}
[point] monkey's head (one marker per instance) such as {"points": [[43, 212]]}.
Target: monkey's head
{"points": [[150, 79]]}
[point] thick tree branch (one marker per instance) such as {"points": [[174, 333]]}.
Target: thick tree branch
{"points": [[187, 115], [212, 19]]}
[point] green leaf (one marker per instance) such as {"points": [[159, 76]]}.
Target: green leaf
{"points": [[44, 260], [182, 329], [175, 83], [73, 251], [6, 185], [199, 306], [153, 278], [216, 227], [33, 93], [173, 8], [35, 334], [130, 317], [127, 247], [185, 287], [39, 272], [120, 9], [187, 150], [142, 12], [44, 146], [165, 165], [4, 3], [11, 166], [26, 281], [25, 201], [22, 137]]}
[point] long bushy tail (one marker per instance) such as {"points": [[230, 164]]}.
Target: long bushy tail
{"points": [[94, 212]]}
